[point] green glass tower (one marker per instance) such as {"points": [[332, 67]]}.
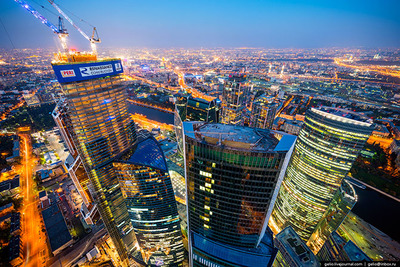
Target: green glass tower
{"points": [[233, 175]]}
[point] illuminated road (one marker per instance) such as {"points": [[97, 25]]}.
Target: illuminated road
{"points": [[384, 70], [284, 106], [35, 249]]}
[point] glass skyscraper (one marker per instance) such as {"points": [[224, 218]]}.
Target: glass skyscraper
{"points": [[233, 175], [102, 129], [234, 97], [263, 111], [326, 148], [146, 185], [188, 108]]}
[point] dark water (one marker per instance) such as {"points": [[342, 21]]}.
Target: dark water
{"points": [[373, 207], [152, 114], [379, 210]]}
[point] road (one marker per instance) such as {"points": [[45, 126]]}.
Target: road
{"points": [[72, 254], [35, 249]]}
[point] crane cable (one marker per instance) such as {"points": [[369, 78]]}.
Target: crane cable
{"points": [[8, 35]]}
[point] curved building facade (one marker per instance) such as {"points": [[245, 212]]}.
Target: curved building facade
{"points": [[233, 175], [326, 148], [146, 185]]}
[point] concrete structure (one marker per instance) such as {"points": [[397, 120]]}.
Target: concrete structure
{"points": [[293, 252]]}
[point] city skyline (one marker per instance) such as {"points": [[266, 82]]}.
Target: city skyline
{"points": [[291, 24]]}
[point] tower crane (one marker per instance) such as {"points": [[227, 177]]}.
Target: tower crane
{"points": [[93, 40], [60, 30]]}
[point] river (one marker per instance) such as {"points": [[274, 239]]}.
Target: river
{"points": [[152, 114], [379, 210], [373, 207]]}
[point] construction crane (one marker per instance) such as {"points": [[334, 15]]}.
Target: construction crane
{"points": [[93, 40], [60, 30]]}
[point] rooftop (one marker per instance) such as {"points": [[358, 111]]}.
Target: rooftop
{"points": [[56, 227], [238, 136], [296, 248], [343, 115], [146, 152]]}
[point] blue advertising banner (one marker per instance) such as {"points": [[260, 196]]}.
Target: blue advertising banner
{"points": [[85, 71]]}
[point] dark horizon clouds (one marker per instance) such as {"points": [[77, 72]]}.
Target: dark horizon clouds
{"points": [[206, 23]]}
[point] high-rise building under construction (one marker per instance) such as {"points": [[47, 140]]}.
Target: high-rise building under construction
{"points": [[101, 129]]}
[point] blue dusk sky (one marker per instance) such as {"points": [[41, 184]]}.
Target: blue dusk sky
{"points": [[205, 23]]}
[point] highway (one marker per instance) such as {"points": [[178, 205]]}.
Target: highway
{"points": [[35, 248]]}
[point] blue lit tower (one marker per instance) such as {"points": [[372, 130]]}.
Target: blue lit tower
{"points": [[146, 185], [233, 175]]}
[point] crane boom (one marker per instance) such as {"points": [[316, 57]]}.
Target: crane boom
{"points": [[68, 18], [60, 31], [92, 40], [33, 11]]}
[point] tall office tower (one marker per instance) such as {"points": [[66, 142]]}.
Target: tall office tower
{"points": [[233, 175], [234, 96], [98, 114], [326, 148], [293, 252], [263, 112], [337, 249], [146, 186], [342, 203], [188, 108]]}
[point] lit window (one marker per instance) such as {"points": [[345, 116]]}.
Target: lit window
{"points": [[202, 188], [206, 207]]}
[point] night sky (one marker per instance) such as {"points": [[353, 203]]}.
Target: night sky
{"points": [[217, 23]]}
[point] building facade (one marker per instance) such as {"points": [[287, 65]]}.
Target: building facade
{"points": [[263, 112], [102, 129], [326, 148], [234, 97], [337, 249], [342, 203], [146, 185], [233, 175]]}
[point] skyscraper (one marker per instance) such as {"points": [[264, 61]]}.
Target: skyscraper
{"points": [[233, 175], [188, 108], [234, 95], [102, 129], [263, 112], [146, 185], [326, 148]]}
